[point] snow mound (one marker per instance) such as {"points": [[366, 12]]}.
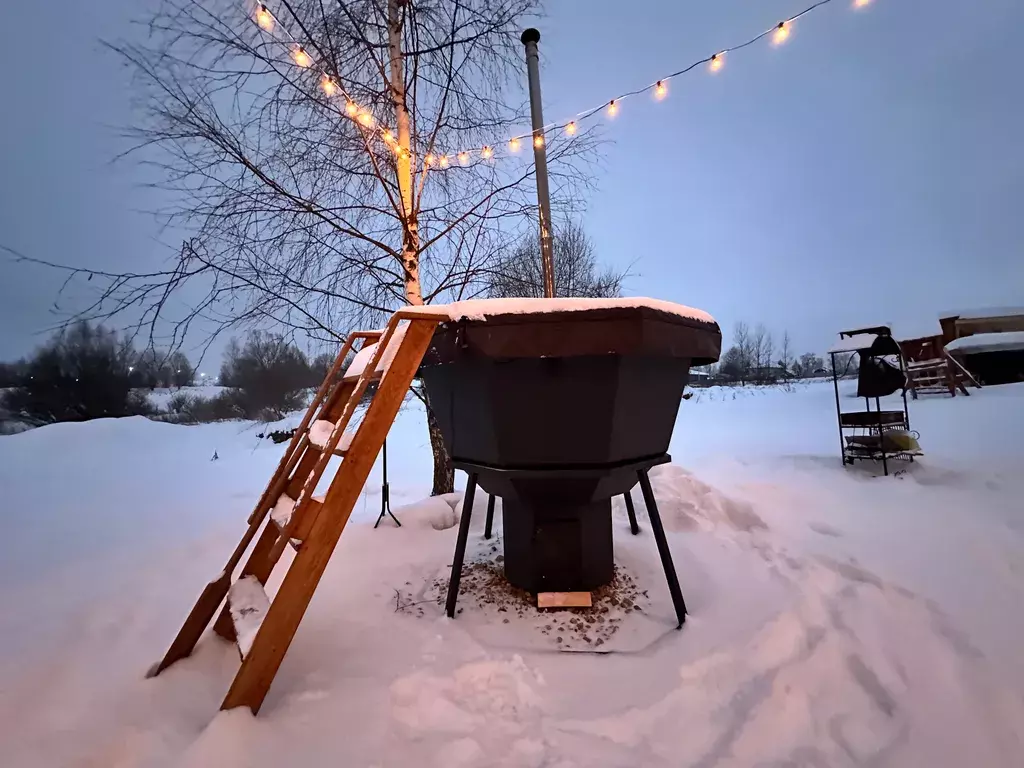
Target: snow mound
{"points": [[437, 512], [320, 435], [249, 605], [689, 504]]}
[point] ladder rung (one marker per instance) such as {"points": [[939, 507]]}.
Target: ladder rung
{"points": [[248, 604], [320, 435], [282, 512]]}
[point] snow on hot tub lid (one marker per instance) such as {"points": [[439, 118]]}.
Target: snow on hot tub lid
{"points": [[481, 309]]}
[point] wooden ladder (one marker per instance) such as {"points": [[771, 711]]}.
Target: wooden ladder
{"points": [[290, 515]]}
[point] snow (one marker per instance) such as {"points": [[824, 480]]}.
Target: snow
{"points": [[987, 342], [854, 343], [365, 355], [481, 309], [836, 618], [282, 511], [249, 605], [320, 435], [161, 396], [985, 313]]}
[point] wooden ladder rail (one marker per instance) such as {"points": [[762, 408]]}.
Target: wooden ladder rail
{"points": [[215, 591], [265, 558], [260, 665], [270, 546]]}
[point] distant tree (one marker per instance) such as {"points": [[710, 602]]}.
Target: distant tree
{"points": [[807, 365], [270, 373], [180, 370], [11, 374], [744, 360], [80, 373], [732, 365], [786, 355], [577, 272], [320, 366]]}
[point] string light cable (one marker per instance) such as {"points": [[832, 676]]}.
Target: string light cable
{"points": [[269, 23]]}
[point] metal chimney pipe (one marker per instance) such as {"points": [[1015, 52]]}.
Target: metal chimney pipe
{"points": [[530, 38]]}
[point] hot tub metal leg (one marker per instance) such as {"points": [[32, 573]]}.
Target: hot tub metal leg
{"points": [[663, 550], [460, 548], [632, 513], [490, 515]]}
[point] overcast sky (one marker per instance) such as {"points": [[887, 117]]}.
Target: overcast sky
{"points": [[869, 170]]}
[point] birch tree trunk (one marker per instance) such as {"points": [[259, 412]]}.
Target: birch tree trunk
{"points": [[410, 226]]}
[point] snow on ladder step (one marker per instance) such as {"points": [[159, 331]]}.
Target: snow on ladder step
{"points": [[365, 355], [248, 603], [320, 435]]}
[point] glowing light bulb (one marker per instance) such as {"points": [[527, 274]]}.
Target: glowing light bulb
{"points": [[538, 140], [463, 158], [716, 62], [781, 33], [513, 145], [444, 161], [660, 91], [330, 87], [301, 57], [365, 119], [570, 128], [860, 3], [351, 109], [486, 153], [389, 137], [428, 160], [264, 18], [613, 108]]}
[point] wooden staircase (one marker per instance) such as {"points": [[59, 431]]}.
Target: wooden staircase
{"points": [[288, 514]]}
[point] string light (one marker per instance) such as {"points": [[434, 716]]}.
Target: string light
{"points": [[301, 57], [777, 34], [781, 33], [264, 18]]}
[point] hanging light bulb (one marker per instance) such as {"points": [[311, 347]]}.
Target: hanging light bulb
{"points": [[444, 161], [330, 87], [781, 33], [428, 160], [264, 18], [660, 91], [486, 153], [538, 140], [613, 108], [860, 3], [301, 57], [570, 128], [389, 137], [351, 109], [716, 62], [463, 158], [513, 145], [365, 119]]}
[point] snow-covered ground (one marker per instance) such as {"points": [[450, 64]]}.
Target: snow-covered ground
{"points": [[837, 618], [161, 396]]}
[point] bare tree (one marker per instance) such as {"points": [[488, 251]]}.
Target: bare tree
{"points": [[786, 355], [743, 359], [577, 272], [332, 165]]}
